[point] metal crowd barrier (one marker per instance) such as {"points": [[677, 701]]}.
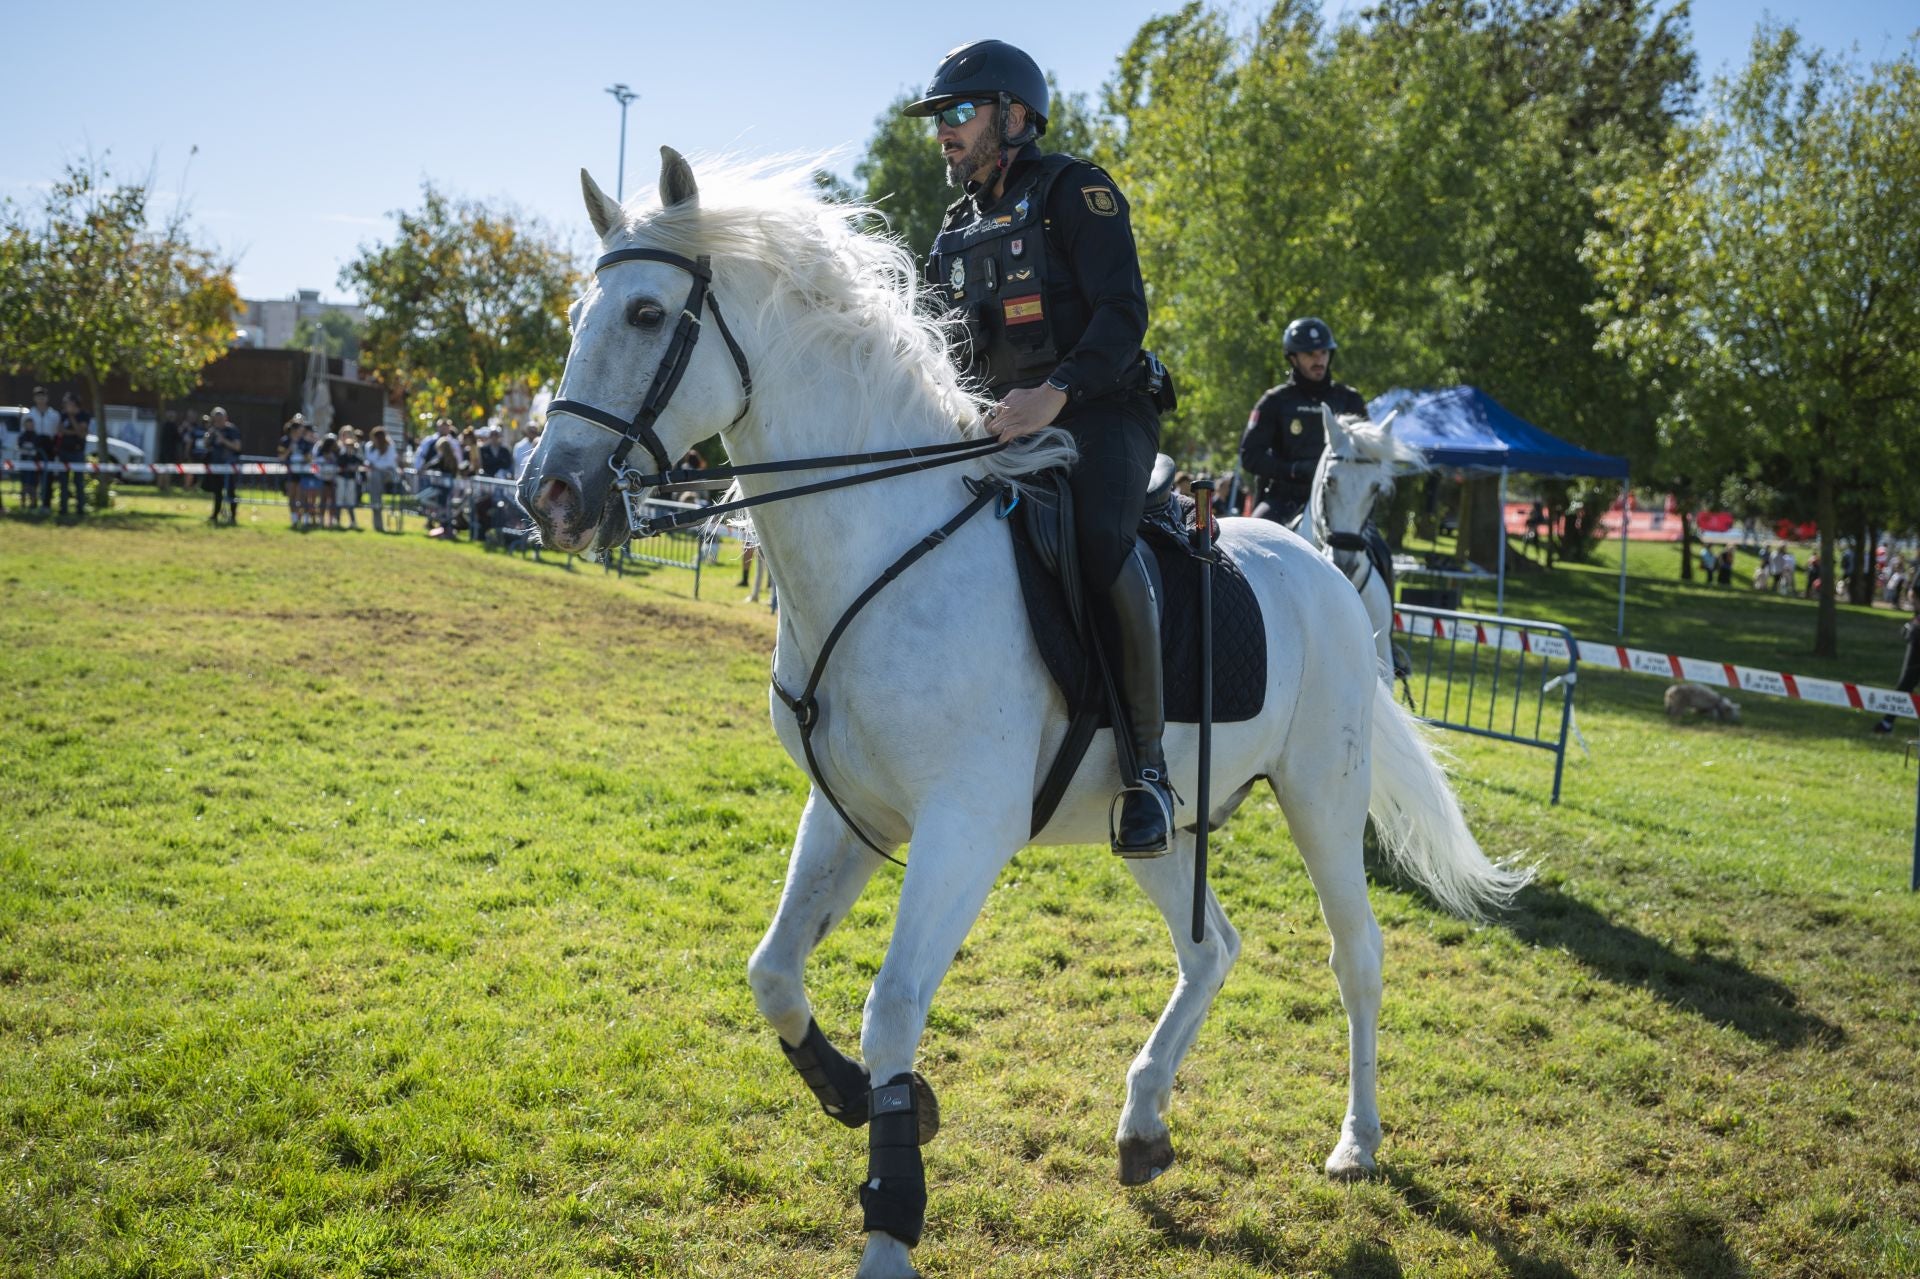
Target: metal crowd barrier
{"points": [[503, 524], [1505, 678]]}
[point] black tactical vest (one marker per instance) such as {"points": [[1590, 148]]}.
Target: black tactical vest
{"points": [[994, 273]]}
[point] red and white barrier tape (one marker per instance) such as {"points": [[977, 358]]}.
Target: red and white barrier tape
{"points": [[163, 468], [1667, 666]]}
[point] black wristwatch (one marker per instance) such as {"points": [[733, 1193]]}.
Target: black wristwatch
{"points": [[1059, 384]]}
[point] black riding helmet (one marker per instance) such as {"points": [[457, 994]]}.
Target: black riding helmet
{"points": [[1308, 334], [986, 68]]}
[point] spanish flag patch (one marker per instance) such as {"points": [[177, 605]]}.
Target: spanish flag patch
{"points": [[1024, 310]]}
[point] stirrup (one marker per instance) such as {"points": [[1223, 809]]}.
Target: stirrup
{"points": [[1162, 795]]}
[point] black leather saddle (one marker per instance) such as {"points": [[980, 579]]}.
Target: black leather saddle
{"points": [[1073, 643]]}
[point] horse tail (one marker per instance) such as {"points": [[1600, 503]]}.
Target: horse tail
{"points": [[1419, 823]]}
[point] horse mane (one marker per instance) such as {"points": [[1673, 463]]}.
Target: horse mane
{"points": [[839, 281], [1377, 444]]}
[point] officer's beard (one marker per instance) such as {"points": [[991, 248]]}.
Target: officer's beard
{"points": [[984, 151]]}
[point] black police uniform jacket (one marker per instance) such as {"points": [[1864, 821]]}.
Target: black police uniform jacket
{"points": [[1047, 280], [1286, 435]]}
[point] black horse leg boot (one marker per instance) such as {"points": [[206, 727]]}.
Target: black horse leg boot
{"points": [[1146, 805]]}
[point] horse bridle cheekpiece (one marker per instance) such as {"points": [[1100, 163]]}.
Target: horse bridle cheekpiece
{"points": [[633, 484], [1342, 540]]}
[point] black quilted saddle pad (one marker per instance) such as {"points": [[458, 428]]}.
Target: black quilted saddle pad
{"points": [[1239, 632]]}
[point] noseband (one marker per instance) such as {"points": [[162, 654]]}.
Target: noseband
{"points": [[666, 378]]}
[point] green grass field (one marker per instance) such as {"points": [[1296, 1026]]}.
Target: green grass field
{"points": [[375, 907]]}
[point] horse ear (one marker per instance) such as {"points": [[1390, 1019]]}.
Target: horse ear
{"points": [[1386, 424], [676, 180], [602, 209]]}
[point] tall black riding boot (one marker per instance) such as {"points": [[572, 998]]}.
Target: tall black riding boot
{"points": [[1146, 805]]}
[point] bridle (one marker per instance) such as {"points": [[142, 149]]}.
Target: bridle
{"points": [[633, 485], [1340, 540], [666, 378]]}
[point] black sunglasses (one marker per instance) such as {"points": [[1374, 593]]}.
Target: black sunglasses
{"points": [[955, 114]]}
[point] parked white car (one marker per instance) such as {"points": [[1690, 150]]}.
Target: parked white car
{"points": [[122, 452], [12, 415]]}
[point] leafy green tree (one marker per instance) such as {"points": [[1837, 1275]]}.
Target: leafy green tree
{"points": [[467, 300], [90, 288], [1420, 179], [337, 333], [1762, 279]]}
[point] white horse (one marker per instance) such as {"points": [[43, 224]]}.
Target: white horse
{"points": [[936, 716], [1356, 473]]}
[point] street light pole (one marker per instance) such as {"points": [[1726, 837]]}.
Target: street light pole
{"points": [[623, 95]]}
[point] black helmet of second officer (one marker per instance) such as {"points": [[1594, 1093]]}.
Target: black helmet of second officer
{"points": [[1308, 334], [986, 68]]}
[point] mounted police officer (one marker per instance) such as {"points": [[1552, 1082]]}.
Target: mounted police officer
{"points": [[1285, 432], [1037, 259]]}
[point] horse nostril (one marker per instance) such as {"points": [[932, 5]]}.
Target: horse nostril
{"points": [[553, 493]]}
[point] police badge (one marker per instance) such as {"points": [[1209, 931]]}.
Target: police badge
{"points": [[957, 274]]}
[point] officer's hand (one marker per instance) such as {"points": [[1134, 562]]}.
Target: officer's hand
{"points": [[1025, 411]]}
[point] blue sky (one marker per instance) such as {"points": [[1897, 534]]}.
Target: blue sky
{"points": [[312, 124]]}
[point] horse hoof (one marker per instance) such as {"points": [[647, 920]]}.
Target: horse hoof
{"points": [[926, 1108], [1142, 1159], [1349, 1162]]}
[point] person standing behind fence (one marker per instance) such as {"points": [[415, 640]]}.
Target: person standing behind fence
{"points": [[496, 463], [437, 479], [70, 448], [1785, 566], [43, 420], [1909, 666], [523, 448], [223, 449], [1725, 567], [32, 452], [290, 443], [428, 453], [326, 457], [383, 471], [346, 486]]}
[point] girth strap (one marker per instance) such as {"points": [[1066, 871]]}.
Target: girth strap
{"points": [[806, 707]]}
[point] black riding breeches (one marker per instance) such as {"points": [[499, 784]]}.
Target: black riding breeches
{"points": [[1118, 438]]}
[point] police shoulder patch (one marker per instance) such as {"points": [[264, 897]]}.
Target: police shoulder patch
{"points": [[1100, 200]]}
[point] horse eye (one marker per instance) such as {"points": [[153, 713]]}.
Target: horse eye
{"points": [[642, 314]]}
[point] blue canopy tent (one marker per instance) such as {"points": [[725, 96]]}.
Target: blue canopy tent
{"points": [[1463, 428]]}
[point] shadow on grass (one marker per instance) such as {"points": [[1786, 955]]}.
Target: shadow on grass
{"points": [[117, 519], [1722, 991], [1363, 1258], [1719, 990], [1686, 1241]]}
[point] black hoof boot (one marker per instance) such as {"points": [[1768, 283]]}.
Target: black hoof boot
{"points": [[1141, 1159], [1145, 818]]}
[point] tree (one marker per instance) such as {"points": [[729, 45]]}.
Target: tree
{"points": [[337, 333], [90, 289], [1421, 179], [465, 302], [1762, 279]]}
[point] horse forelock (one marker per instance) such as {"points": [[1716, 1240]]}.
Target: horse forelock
{"points": [[1377, 444]]}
